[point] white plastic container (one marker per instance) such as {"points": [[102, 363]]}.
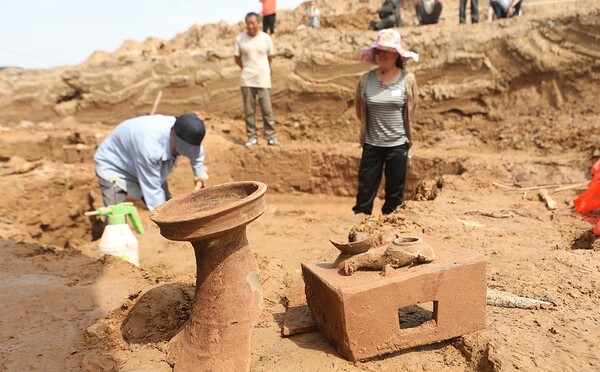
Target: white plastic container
{"points": [[119, 240]]}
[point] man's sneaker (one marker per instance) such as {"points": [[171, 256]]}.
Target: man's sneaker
{"points": [[273, 142], [251, 143]]}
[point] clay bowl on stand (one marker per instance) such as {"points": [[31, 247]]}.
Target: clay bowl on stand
{"points": [[228, 297]]}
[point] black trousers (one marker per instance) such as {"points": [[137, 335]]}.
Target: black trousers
{"points": [[269, 23], [428, 19], [462, 11], [387, 22], [112, 195], [374, 162]]}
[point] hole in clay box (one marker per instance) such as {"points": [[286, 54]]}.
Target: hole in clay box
{"points": [[417, 315]]}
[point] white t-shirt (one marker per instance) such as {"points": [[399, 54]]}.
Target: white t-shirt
{"points": [[429, 5], [255, 52], [504, 3], [317, 12]]}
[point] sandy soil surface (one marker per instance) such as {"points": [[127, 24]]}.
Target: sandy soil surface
{"points": [[505, 108]]}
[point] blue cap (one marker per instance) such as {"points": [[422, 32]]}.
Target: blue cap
{"points": [[189, 133]]}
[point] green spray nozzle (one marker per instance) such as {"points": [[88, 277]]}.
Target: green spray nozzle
{"points": [[116, 215]]}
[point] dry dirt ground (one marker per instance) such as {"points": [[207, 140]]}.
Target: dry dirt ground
{"points": [[504, 108]]}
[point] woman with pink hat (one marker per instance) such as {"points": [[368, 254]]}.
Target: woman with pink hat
{"points": [[386, 99]]}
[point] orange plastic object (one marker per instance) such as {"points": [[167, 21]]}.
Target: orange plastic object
{"points": [[589, 200], [597, 229]]}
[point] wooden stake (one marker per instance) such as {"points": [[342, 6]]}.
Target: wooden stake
{"points": [[156, 102], [505, 299]]}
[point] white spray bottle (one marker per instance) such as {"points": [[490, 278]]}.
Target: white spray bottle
{"points": [[117, 238]]}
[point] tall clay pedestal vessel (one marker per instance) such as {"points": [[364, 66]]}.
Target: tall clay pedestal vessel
{"points": [[228, 295]]}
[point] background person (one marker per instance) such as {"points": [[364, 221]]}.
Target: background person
{"points": [[253, 53], [389, 16], [141, 153], [506, 8], [313, 15], [428, 11], [269, 14], [398, 17], [462, 11], [386, 99]]}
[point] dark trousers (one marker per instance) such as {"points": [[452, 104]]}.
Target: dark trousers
{"points": [[463, 10], [249, 95], [426, 18], [387, 22], [111, 195], [269, 23], [374, 162], [501, 13]]}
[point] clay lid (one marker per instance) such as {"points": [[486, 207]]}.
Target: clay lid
{"points": [[360, 246]]}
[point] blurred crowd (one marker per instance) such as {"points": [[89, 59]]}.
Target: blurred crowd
{"points": [[429, 11]]}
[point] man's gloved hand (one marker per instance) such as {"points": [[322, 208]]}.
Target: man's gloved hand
{"points": [[200, 180]]}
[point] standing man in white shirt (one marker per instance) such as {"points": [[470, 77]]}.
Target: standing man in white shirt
{"points": [[253, 52]]}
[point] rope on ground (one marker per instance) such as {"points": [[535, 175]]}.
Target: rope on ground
{"points": [[554, 2], [557, 187], [570, 187], [501, 214]]}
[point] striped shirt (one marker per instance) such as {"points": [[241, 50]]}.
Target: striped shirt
{"points": [[385, 108]]}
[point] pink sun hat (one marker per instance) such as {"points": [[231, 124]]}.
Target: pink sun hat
{"points": [[390, 41]]}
